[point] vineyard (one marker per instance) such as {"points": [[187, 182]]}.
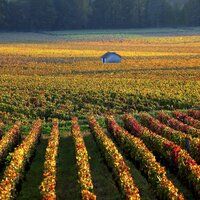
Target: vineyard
{"points": [[134, 156], [57, 78], [64, 131]]}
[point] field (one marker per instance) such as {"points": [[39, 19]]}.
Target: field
{"points": [[59, 77], [49, 77]]}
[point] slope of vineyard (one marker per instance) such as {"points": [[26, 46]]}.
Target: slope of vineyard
{"points": [[62, 78], [62, 115], [178, 180]]}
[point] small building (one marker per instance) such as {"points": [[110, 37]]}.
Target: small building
{"points": [[111, 57]]}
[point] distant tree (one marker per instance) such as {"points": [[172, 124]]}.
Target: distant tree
{"points": [[62, 8], [117, 15], [133, 13], [82, 10], [99, 16], [191, 13], [71, 14], [42, 15], [3, 11], [158, 14], [111, 14], [18, 14], [138, 13], [77, 14]]}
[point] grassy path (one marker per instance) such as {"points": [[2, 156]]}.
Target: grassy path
{"points": [[104, 185], [67, 185], [145, 189], [33, 178], [182, 188]]}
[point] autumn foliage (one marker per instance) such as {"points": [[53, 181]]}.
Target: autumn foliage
{"points": [[48, 185], [192, 145], [140, 154], [178, 125], [9, 140], [187, 168], [115, 161], [15, 171], [82, 162]]}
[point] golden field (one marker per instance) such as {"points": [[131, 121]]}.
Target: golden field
{"points": [[63, 78], [94, 147]]}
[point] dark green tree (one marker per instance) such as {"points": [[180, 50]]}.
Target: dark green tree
{"points": [[82, 10], [37, 15], [42, 15], [18, 14], [191, 13], [109, 14], [66, 14], [158, 14], [138, 18], [3, 15], [99, 16]]}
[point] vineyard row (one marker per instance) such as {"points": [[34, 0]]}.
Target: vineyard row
{"points": [[144, 145]]}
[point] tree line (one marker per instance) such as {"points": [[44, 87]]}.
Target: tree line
{"points": [[36, 15]]}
